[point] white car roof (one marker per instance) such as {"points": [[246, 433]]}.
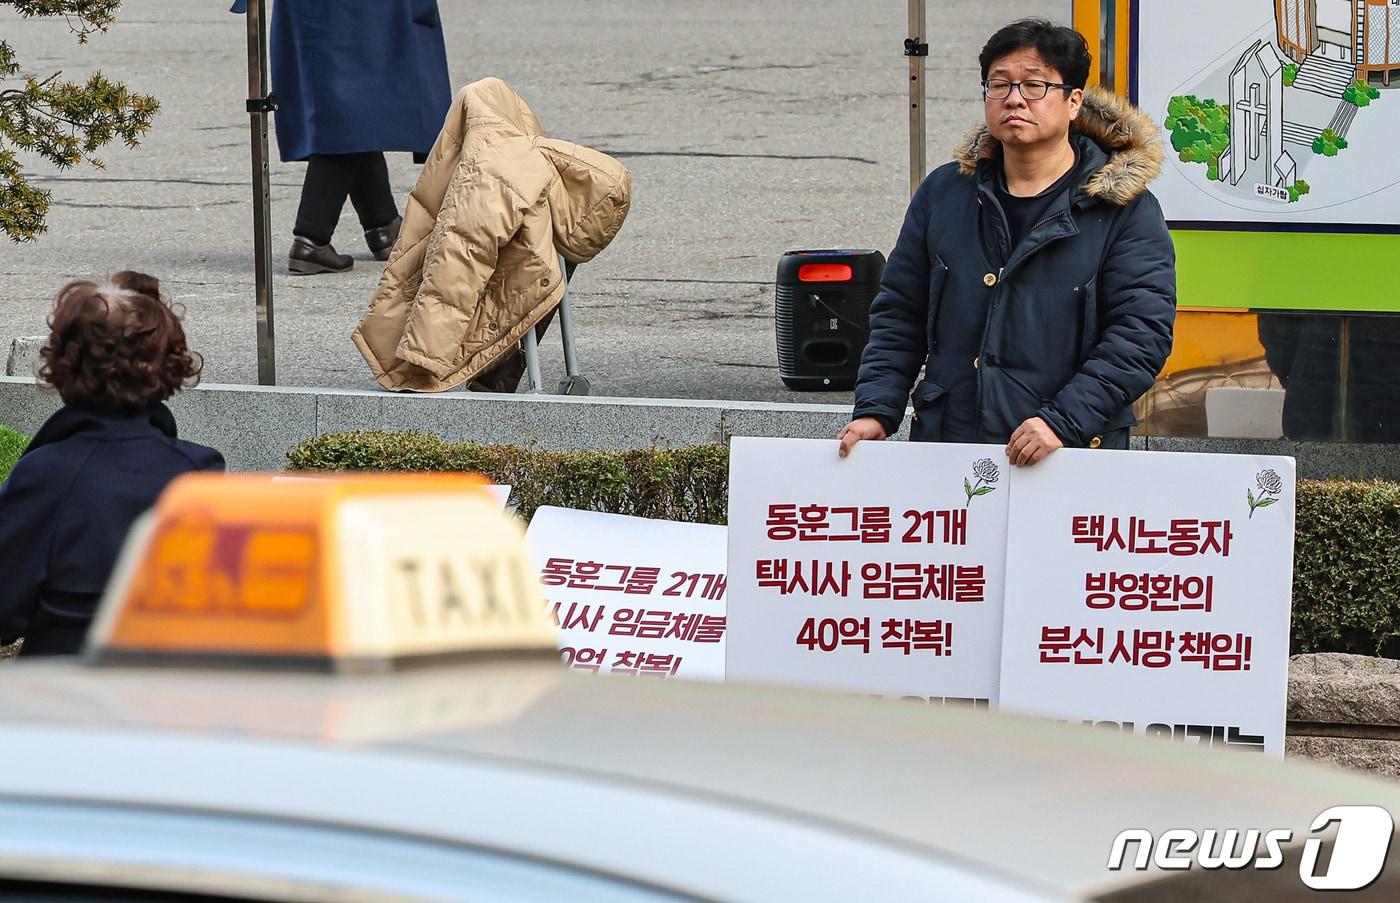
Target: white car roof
{"points": [[1027, 803]]}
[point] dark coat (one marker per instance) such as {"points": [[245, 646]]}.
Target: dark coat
{"points": [[65, 511], [357, 75], [1072, 325], [1305, 352]]}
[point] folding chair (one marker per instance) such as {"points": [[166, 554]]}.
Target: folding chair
{"points": [[574, 382]]}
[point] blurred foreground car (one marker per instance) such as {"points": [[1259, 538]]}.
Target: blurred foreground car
{"points": [[194, 757]]}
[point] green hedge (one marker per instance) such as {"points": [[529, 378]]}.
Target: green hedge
{"points": [[1346, 568], [1346, 576], [12, 445], [685, 484]]}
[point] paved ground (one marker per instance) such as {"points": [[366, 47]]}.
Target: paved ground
{"points": [[750, 129]]}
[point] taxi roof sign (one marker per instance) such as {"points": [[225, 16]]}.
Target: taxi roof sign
{"points": [[351, 573]]}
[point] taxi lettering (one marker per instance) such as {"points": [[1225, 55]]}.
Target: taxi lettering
{"points": [[461, 591]]}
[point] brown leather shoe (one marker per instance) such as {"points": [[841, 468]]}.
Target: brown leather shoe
{"points": [[308, 259], [381, 240]]}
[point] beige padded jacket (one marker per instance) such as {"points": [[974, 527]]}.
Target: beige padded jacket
{"points": [[475, 265]]}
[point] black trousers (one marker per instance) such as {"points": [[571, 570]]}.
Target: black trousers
{"points": [[330, 179]]}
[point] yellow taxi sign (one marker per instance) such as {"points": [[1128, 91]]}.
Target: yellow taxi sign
{"points": [[345, 573]]}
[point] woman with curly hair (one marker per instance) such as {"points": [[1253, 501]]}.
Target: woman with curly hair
{"points": [[115, 352]]}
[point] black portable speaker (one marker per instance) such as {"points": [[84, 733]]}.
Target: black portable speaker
{"points": [[822, 315]]}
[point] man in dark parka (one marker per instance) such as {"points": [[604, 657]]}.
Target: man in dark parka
{"points": [[1034, 277]]}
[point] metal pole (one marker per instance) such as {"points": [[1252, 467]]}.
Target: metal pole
{"points": [[1343, 418], [530, 347], [566, 325], [260, 104], [916, 48], [566, 331]]}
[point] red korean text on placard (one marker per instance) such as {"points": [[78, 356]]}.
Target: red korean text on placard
{"points": [[655, 624], [913, 581], [1182, 537], [629, 579], [820, 523], [688, 585], [626, 661], [872, 525], [1148, 592], [1145, 648], [948, 527], [577, 616], [830, 634], [905, 635], [806, 578]]}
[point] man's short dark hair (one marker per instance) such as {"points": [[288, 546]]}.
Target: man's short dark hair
{"points": [[1063, 48]]}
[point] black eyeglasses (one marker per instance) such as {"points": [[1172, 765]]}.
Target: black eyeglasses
{"points": [[1035, 89]]}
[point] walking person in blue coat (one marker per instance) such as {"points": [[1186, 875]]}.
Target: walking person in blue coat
{"points": [[1034, 279], [114, 354], [353, 79]]}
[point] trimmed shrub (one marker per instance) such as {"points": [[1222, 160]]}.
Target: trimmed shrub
{"points": [[684, 484], [12, 445], [1346, 571]]}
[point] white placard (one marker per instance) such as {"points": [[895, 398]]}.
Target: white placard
{"points": [[1152, 589], [632, 595], [879, 573]]}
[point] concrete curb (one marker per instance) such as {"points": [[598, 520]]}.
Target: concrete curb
{"points": [[24, 357], [1345, 709], [255, 426]]}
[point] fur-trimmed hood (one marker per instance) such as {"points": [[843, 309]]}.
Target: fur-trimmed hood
{"points": [[1131, 139]]}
